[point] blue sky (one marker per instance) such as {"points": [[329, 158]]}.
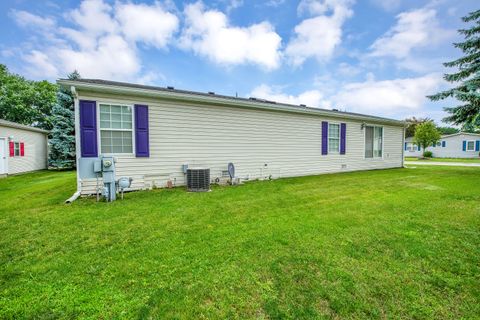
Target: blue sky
{"points": [[373, 56]]}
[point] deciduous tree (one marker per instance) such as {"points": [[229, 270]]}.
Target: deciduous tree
{"points": [[25, 101], [426, 134]]}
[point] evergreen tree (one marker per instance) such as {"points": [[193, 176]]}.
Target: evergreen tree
{"points": [[447, 130], [468, 91], [471, 128], [62, 142]]}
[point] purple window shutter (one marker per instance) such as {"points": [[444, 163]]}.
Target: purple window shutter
{"points": [[343, 138], [142, 148], [88, 128], [324, 137]]}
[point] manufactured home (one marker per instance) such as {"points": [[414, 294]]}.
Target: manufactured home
{"points": [[22, 148], [153, 133], [458, 145]]}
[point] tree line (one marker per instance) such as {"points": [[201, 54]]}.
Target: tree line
{"points": [[43, 105]]}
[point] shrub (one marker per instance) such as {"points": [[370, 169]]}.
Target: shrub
{"points": [[427, 154]]}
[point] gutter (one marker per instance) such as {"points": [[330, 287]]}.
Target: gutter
{"points": [[403, 147], [222, 101]]}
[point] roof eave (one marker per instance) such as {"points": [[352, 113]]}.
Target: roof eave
{"points": [[173, 95], [15, 125]]}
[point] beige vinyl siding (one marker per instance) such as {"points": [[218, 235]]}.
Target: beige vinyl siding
{"points": [[212, 136], [35, 150]]}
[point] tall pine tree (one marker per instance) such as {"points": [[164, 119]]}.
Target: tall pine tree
{"points": [[468, 75], [62, 142]]}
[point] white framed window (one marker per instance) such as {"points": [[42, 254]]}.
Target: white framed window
{"points": [[411, 147], [116, 128], [333, 137], [470, 145], [16, 149], [373, 142]]}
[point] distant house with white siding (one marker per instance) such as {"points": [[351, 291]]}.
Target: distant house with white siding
{"points": [[153, 131], [458, 145], [22, 148]]}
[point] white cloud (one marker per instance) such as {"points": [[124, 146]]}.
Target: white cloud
{"points": [[348, 70], [149, 24], [387, 97], [320, 35], [413, 29], [311, 98], [39, 64], [102, 43], [234, 4], [26, 19], [274, 3], [112, 58], [94, 17], [208, 33], [388, 5]]}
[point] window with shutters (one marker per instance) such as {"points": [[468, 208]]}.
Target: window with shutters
{"points": [[373, 142], [471, 145], [16, 150], [116, 128], [333, 137], [411, 147]]}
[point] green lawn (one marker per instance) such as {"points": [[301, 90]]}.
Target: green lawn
{"points": [[402, 243], [468, 160]]}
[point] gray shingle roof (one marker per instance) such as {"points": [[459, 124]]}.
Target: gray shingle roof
{"points": [[230, 98]]}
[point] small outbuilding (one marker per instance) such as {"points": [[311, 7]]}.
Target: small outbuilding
{"points": [[22, 148], [458, 145]]}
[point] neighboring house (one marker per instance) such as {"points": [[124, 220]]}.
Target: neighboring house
{"points": [[22, 148], [153, 131], [457, 145]]}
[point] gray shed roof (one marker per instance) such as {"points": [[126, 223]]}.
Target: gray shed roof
{"points": [[15, 125], [104, 85]]}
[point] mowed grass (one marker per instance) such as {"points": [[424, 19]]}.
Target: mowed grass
{"points": [[466, 160], [401, 243]]}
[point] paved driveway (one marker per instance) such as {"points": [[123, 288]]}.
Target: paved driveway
{"points": [[436, 163]]}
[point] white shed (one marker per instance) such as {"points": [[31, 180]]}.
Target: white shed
{"points": [[152, 132], [458, 145], [22, 148]]}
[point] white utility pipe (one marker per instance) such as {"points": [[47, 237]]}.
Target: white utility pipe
{"points": [[73, 197]]}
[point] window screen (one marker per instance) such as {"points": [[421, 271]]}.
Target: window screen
{"points": [[373, 142], [17, 149], [116, 128], [470, 145], [333, 137]]}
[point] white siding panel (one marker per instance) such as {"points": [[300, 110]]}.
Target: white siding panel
{"points": [[289, 144], [35, 150]]}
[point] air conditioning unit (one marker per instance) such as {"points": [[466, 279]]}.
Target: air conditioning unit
{"points": [[198, 179]]}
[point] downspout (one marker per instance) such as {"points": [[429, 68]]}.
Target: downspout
{"points": [[403, 147], [77, 145]]}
